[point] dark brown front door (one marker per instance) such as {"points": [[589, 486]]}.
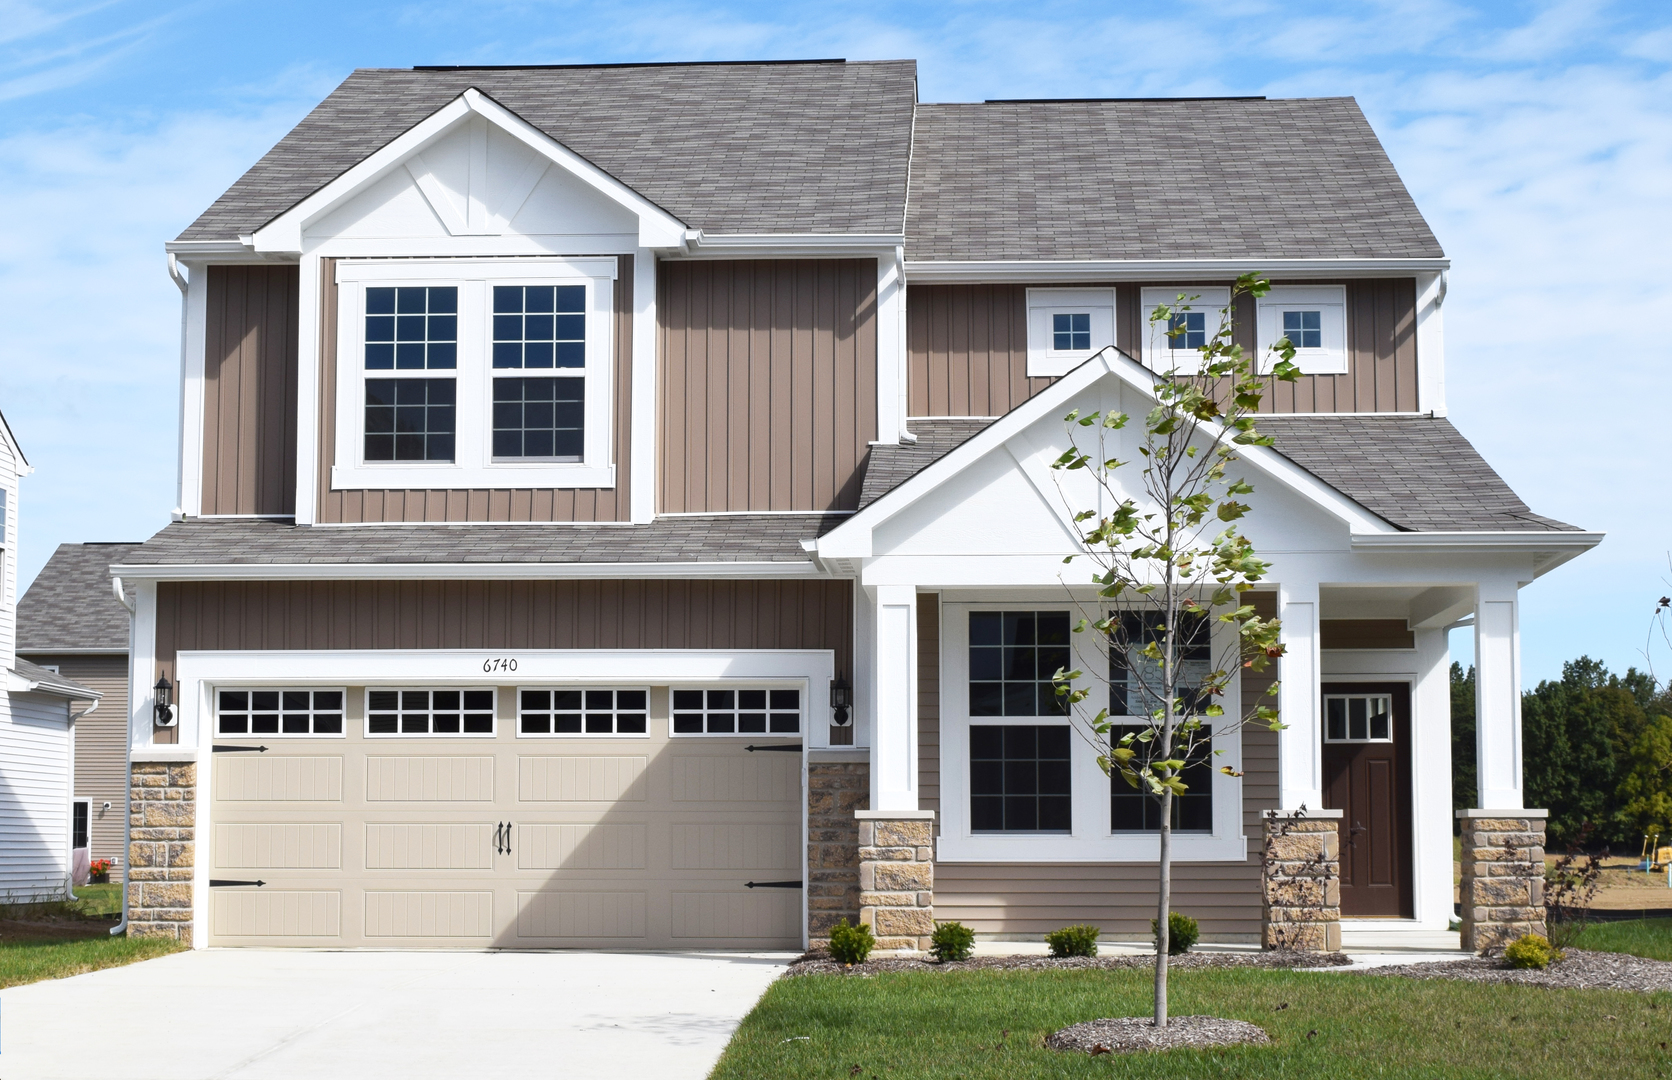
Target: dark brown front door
{"points": [[1367, 776]]}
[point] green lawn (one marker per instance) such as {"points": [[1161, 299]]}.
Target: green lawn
{"points": [[1329, 1026], [55, 940], [1639, 937]]}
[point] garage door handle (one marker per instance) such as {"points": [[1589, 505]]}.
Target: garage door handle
{"points": [[498, 844], [507, 838]]}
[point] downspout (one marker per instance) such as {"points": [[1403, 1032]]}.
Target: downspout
{"points": [[180, 445], [73, 718], [128, 770]]}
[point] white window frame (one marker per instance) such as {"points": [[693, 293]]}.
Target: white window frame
{"points": [[473, 465], [1044, 361], [583, 688], [1349, 740], [1090, 838], [1330, 301], [416, 684], [726, 684], [1211, 300], [278, 687]]}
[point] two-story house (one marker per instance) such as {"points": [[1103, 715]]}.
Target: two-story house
{"points": [[614, 511]]}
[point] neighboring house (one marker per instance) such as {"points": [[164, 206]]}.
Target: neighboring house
{"points": [[38, 723], [70, 622], [605, 490]]}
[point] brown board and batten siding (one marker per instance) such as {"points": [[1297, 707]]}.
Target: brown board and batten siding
{"points": [[768, 388], [249, 390], [968, 348], [1035, 898], [479, 504], [504, 615]]}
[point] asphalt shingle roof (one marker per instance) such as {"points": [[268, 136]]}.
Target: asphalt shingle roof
{"points": [[1415, 472], [720, 538], [69, 605], [53, 683], [745, 148], [1157, 180]]}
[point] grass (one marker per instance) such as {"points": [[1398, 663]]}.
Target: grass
{"points": [[62, 938], [986, 1025], [1651, 938]]}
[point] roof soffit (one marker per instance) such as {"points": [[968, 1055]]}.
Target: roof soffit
{"points": [[478, 216]]}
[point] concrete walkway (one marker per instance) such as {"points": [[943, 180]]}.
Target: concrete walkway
{"points": [[282, 1014]]}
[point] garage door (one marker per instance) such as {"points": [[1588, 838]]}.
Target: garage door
{"points": [[506, 817]]}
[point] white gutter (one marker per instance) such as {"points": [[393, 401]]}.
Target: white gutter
{"points": [[1506, 540], [1025, 270], [697, 244], [128, 769], [462, 571]]}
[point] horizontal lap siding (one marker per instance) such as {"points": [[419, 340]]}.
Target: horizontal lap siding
{"points": [[249, 390], [768, 384], [34, 796], [1035, 898], [504, 615], [968, 348], [480, 504], [101, 748]]}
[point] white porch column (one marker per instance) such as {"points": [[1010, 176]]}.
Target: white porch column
{"points": [[1299, 749], [894, 713], [1498, 696]]}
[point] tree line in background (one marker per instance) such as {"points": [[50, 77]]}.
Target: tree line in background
{"points": [[1597, 749]]}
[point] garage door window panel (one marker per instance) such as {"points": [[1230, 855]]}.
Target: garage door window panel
{"points": [[745, 711], [297, 711], [424, 712], [582, 712]]}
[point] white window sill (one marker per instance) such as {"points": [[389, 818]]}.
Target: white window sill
{"points": [[442, 476], [1122, 848]]}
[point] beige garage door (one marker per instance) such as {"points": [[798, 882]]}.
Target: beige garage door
{"points": [[395, 821]]}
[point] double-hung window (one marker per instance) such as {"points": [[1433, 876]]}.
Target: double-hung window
{"points": [[1020, 769], [1135, 690], [456, 373]]}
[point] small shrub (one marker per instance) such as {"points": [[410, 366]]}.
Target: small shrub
{"points": [[1182, 933], [851, 944], [1073, 941], [952, 941], [1531, 951]]}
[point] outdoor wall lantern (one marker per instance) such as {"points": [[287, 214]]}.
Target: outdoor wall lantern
{"points": [[841, 697], [164, 693]]}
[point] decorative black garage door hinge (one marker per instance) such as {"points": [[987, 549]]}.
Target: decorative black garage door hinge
{"points": [[224, 883], [224, 748], [783, 748], [772, 884]]}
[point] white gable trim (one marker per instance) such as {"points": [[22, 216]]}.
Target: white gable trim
{"points": [[657, 227], [24, 468], [852, 539]]}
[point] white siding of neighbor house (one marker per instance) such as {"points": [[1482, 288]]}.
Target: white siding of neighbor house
{"points": [[36, 748]]}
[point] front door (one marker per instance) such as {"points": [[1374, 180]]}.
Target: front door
{"points": [[1367, 776]]}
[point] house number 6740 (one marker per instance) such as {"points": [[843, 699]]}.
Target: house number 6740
{"points": [[499, 664]]}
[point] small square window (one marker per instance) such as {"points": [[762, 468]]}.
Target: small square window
{"points": [[1071, 332], [429, 712], [745, 711], [589, 711], [1195, 316], [1188, 330], [1067, 326], [1314, 320], [290, 711], [1304, 329]]}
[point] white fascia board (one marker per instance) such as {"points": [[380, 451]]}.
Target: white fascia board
{"points": [[514, 571], [657, 228], [1065, 270], [852, 539], [1548, 549], [701, 245], [203, 252], [464, 666]]}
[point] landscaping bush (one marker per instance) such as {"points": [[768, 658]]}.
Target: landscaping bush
{"points": [[952, 941], [1073, 941], [1182, 933], [1531, 951], [851, 944]]}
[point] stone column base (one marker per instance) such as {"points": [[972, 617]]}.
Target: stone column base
{"points": [[1301, 874], [1502, 894], [835, 789], [162, 844], [897, 876]]}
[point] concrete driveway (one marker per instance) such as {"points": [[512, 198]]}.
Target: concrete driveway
{"points": [[284, 1014]]}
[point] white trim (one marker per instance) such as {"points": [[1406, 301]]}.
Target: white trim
{"points": [[701, 245], [1069, 270], [193, 328], [644, 412], [657, 228], [891, 347], [310, 302], [473, 465], [1045, 360], [1507, 540], [1431, 343], [463, 571]]}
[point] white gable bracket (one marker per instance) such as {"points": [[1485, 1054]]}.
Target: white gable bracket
{"points": [[657, 227]]}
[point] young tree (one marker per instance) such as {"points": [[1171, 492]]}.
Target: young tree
{"points": [[1171, 565]]}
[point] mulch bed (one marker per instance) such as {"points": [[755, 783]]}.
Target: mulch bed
{"points": [[1135, 1033], [1581, 970], [818, 962]]}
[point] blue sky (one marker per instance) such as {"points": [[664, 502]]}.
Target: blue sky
{"points": [[1537, 139]]}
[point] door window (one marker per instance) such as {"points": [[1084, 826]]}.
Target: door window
{"points": [[1358, 718]]}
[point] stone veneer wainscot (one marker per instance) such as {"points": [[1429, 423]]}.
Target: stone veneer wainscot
{"points": [[1301, 872], [162, 842], [897, 876], [838, 784], [1502, 892]]}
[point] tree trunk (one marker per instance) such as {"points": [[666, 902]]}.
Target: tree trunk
{"points": [[1162, 906]]}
